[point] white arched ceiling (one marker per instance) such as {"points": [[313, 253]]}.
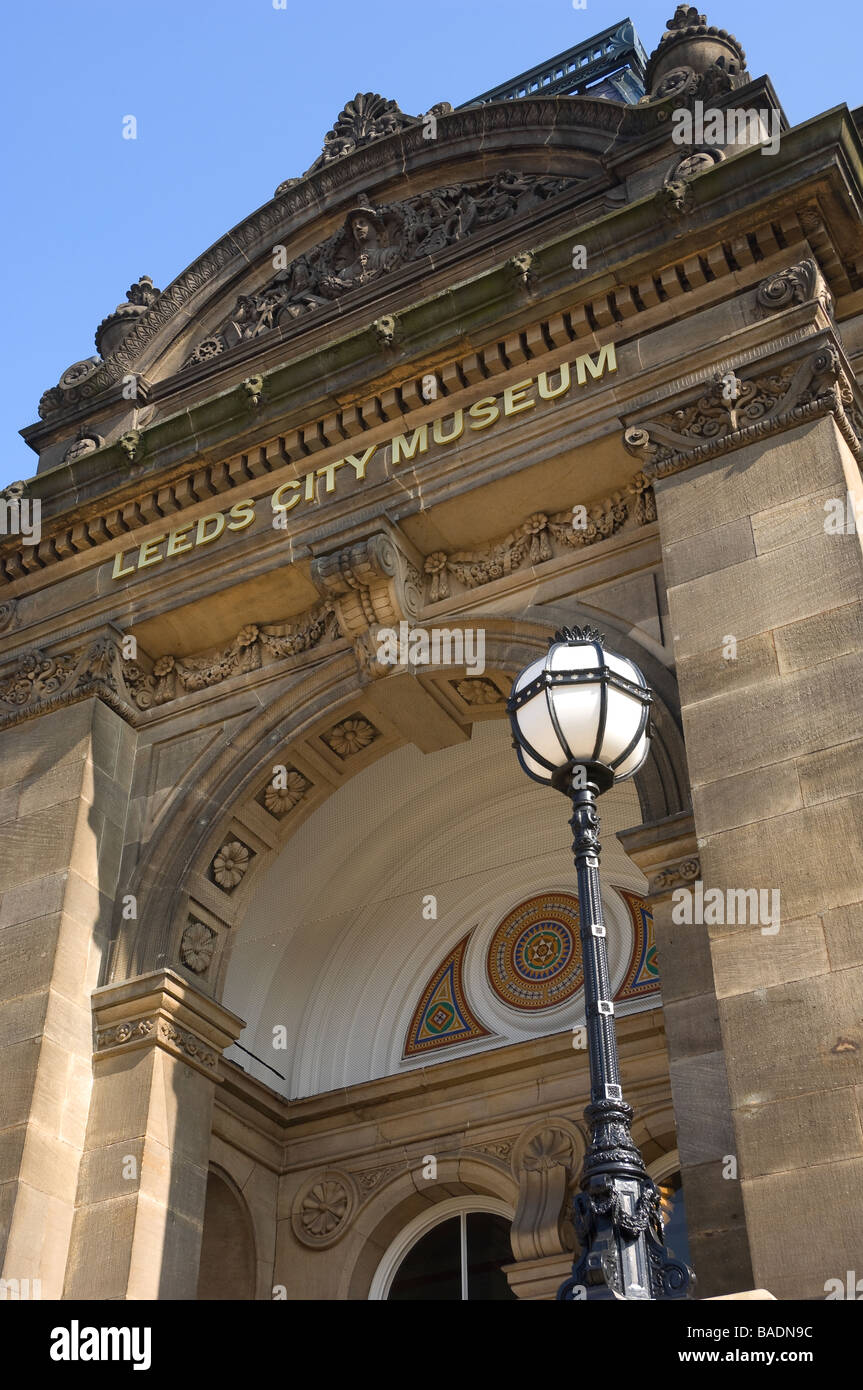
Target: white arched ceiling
{"points": [[335, 948]]}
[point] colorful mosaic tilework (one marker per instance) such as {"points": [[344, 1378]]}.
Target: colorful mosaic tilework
{"points": [[642, 975], [443, 1015], [534, 959]]}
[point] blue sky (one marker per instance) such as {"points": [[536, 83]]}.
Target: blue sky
{"points": [[232, 96]]}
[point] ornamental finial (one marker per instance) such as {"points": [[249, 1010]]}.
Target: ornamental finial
{"points": [[577, 634]]}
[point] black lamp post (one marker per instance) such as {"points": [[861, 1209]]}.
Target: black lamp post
{"points": [[579, 717]]}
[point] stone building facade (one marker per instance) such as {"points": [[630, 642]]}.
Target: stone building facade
{"points": [[277, 913]]}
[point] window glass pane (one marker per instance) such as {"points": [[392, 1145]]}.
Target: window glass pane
{"points": [[488, 1248], [432, 1268]]}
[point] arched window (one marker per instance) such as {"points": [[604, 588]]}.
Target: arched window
{"points": [[455, 1251]]}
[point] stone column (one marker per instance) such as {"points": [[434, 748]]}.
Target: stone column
{"points": [[766, 612], [65, 787], [142, 1189], [668, 856]]}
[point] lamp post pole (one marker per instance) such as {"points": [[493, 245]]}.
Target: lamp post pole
{"points": [[579, 719], [617, 1211]]}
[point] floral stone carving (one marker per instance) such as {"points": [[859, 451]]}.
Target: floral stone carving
{"points": [[197, 945], [323, 1208], [351, 736], [229, 867]]}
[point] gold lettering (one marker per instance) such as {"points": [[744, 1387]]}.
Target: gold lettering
{"points": [[606, 361], [176, 539], [485, 411], [455, 433], [419, 441], [542, 383], [310, 493], [276, 501], [148, 554], [359, 464], [201, 536], [118, 572], [243, 514], [329, 472], [514, 399]]}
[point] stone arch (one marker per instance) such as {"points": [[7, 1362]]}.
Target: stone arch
{"points": [[176, 881], [403, 1199], [228, 1262]]}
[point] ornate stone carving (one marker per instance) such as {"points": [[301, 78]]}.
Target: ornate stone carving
{"points": [[254, 389], [7, 614], [521, 267], [323, 1208], [476, 690], [545, 1160], [197, 945], [694, 58], [230, 865], [173, 676], [85, 442], [684, 871], [375, 240], [157, 1028], [36, 681], [371, 584], [795, 285], [540, 538], [351, 736], [495, 1148], [368, 117], [733, 411], [278, 799], [130, 443], [373, 1178], [385, 330], [113, 329]]}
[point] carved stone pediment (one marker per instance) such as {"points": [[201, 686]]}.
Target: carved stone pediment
{"points": [[375, 240], [368, 117]]}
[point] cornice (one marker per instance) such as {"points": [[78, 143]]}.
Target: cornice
{"points": [[611, 315]]}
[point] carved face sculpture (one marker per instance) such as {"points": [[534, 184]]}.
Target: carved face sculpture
{"points": [[363, 232]]}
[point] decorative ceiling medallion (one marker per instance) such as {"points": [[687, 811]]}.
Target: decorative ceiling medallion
{"points": [[642, 974], [534, 958], [443, 1016]]}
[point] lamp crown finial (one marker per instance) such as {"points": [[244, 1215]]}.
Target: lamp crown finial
{"points": [[578, 634]]}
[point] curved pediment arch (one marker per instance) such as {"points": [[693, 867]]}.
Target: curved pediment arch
{"points": [[562, 138]]}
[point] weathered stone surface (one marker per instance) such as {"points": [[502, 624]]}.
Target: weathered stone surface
{"points": [[777, 1137]]}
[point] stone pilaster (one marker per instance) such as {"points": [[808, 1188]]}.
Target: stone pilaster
{"points": [[765, 606], [667, 854], [142, 1189], [66, 775]]}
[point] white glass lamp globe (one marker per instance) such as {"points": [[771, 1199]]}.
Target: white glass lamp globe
{"points": [[580, 705]]}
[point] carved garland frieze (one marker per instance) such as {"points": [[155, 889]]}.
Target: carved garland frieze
{"points": [[734, 411], [375, 240], [37, 681], [173, 676], [540, 538], [684, 871], [156, 1028]]}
